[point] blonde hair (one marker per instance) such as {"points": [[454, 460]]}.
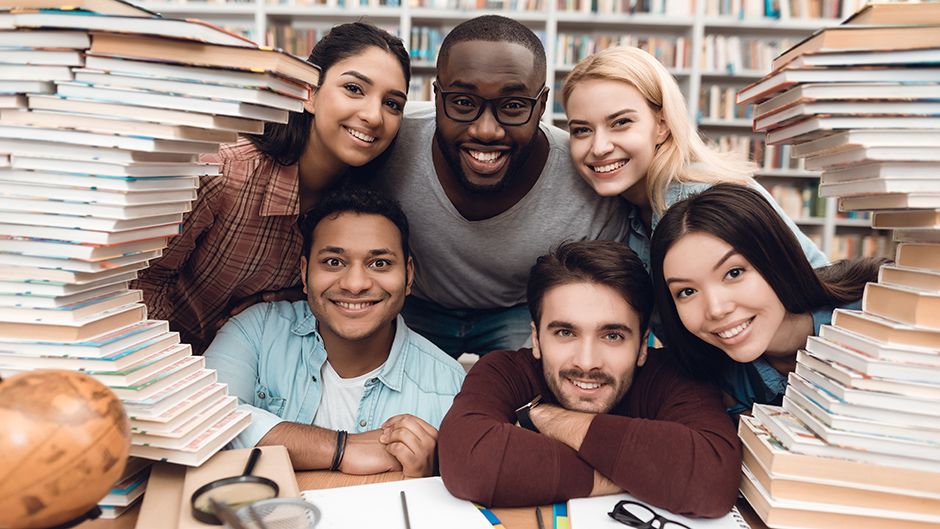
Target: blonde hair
{"points": [[683, 156]]}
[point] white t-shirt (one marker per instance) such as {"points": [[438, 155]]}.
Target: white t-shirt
{"points": [[339, 402]]}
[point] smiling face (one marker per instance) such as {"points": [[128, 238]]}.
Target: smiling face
{"points": [[357, 276], [721, 298], [358, 107], [484, 155], [590, 344], [614, 133]]}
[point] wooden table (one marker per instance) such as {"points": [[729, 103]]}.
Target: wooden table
{"points": [[512, 518]]}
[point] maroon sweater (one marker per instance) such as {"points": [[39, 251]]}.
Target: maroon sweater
{"points": [[669, 442]]}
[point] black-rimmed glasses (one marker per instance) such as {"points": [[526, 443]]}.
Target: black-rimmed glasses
{"points": [[464, 107], [638, 515]]}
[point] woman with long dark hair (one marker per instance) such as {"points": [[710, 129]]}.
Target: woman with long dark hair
{"points": [[240, 243], [736, 294]]}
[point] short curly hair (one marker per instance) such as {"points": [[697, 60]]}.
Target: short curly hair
{"points": [[494, 28]]}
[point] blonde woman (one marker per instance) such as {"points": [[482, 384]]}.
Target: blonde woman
{"points": [[631, 136]]}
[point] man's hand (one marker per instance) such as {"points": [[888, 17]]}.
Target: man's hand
{"points": [[365, 454], [604, 486], [413, 442], [560, 424]]}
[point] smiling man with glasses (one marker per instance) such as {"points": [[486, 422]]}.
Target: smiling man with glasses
{"points": [[488, 188]]}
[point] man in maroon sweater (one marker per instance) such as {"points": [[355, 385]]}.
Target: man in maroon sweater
{"points": [[611, 417]]}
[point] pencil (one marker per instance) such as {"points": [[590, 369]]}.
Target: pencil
{"points": [[538, 517], [404, 510]]}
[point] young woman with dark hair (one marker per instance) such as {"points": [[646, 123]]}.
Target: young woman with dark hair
{"points": [[736, 294], [240, 243]]}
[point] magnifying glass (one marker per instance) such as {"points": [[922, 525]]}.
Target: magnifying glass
{"points": [[236, 491]]}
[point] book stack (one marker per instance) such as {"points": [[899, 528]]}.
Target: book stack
{"points": [[105, 110], [857, 440]]}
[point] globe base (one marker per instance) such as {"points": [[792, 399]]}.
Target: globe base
{"points": [[93, 514]]}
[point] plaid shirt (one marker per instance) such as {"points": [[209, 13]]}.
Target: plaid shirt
{"points": [[240, 238]]}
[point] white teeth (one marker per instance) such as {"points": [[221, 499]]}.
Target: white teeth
{"points": [[585, 385], [354, 306], [360, 135], [609, 167], [731, 333], [485, 156]]}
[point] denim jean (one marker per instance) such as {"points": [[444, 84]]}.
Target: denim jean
{"points": [[479, 331]]}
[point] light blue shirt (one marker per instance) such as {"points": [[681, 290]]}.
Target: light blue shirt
{"points": [[640, 239], [271, 354]]}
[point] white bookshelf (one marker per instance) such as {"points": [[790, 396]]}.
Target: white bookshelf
{"points": [[257, 17]]}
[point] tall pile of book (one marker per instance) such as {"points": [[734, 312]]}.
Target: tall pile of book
{"points": [[857, 440], [104, 111]]}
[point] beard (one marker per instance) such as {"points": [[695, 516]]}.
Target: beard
{"points": [[519, 157], [599, 405]]}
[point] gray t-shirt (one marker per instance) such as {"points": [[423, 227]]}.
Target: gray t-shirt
{"points": [[462, 264]]}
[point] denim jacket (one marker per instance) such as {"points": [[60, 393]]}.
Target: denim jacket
{"points": [[271, 354]]}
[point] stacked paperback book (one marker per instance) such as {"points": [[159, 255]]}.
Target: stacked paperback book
{"points": [[104, 111], [857, 440]]}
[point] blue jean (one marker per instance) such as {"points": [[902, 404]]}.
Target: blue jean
{"points": [[459, 331]]}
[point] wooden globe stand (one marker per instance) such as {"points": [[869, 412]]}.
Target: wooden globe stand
{"points": [[93, 514]]}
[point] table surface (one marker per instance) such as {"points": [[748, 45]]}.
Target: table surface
{"points": [[514, 518]]}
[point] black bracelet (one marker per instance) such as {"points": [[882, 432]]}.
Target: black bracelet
{"points": [[340, 449]]}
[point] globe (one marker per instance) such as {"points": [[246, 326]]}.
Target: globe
{"points": [[64, 440]]}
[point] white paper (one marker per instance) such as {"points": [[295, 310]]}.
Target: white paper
{"points": [[591, 513]]}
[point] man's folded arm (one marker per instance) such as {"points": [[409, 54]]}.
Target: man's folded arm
{"points": [[486, 458]]}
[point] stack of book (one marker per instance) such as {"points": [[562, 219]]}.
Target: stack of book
{"points": [[857, 440], [103, 114]]}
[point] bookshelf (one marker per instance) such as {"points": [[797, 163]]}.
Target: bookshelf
{"points": [[709, 46]]}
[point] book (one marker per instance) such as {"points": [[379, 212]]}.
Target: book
{"points": [[24, 87], [778, 81], [839, 427], [70, 313], [60, 280], [787, 488], [197, 89], [775, 459], [906, 305], [588, 513], [86, 208], [176, 415], [166, 376], [800, 111], [884, 330], [127, 491], [847, 92], [877, 185], [40, 287], [41, 38], [815, 127], [144, 98], [799, 439], [429, 505], [157, 348], [62, 151], [824, 349], [814, 515], [178, 51], [41, 57], [918, 255], [905, 410], [189, 430], [156, 115], [94, 195], [107, 168], [124, 26], [159, 397], [37, 74], [912, 57], [127, 184], [59, 249], [127, 338], [860, 155], [894, 13], [12, 101], [920, 219], [919, 278], [121, 126], [201, 448], [95, 223], [856, 37], [106, 140], [218, 76], [890, 201], [880, 170], [74, 331], [106, 7], [20, 294], [84, 236]]}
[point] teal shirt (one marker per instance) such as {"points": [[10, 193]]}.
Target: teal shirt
{"points": [[271, 354]]}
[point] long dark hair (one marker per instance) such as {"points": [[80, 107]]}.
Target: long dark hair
{"points": [[286, 142], [743, 218]]}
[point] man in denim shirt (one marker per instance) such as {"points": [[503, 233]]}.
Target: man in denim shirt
{"points": [[342, 360]]}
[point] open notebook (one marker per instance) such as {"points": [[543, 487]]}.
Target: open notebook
{"points": [[591, 513]]}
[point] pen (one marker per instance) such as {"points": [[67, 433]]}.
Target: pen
{"points": [[404, 510], [538, 517]]}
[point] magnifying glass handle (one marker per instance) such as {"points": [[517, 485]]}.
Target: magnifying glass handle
{"points": [[252, 459]]}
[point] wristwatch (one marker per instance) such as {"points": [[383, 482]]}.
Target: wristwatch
{"points": [[522, 414]]}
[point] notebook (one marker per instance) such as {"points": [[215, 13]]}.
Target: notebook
{"points": [[591, 513], [430, 506]]}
